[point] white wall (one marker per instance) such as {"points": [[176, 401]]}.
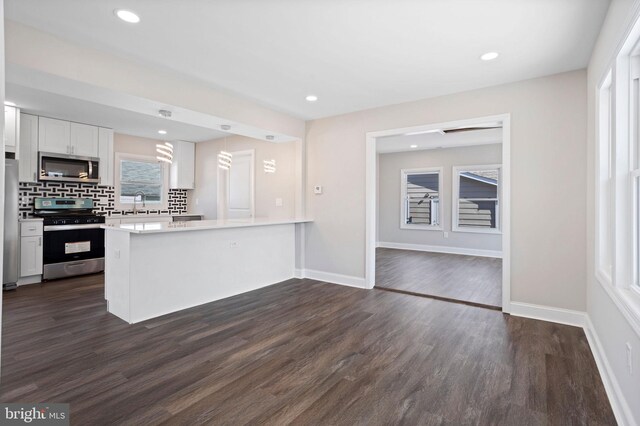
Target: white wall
{"points": [[268, 187], [610, 323], [548, 133], [134, 145], [389, 196]]}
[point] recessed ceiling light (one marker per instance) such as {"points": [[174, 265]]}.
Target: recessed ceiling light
{"points": [[162, 132], [413, 146], [311, 98], [127, 16], [489, 56]]}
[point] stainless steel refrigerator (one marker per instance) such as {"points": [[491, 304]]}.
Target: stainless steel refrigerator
{"points": [[11, 260]]}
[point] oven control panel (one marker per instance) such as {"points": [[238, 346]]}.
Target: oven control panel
{"points": [[73, 220]]}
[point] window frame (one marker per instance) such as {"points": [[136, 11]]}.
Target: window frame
{"points": [[163, 204], [455, 200], [621, 287], [604, 144], [404, 173]]}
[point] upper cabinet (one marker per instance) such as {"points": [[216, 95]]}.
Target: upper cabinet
{"points": [[182, 175], [28, 165], [54, 135], [11, 123], [64, 137], [84, 140], [105, 151]]}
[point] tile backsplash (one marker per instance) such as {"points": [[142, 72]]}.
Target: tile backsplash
{"points": [[103, 197]]}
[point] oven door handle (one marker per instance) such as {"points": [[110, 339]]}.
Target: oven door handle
{"points": [[71, 227]]}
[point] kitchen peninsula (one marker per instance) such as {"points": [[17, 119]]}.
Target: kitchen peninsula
{"points": [[152, 269]]}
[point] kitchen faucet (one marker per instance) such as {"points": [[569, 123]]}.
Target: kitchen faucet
{"points": [[135, 198]]}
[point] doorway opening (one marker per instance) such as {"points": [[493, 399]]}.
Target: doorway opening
{"points": [[438, 211]]}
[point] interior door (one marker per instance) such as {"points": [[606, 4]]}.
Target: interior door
{"points": [[240, 186]]}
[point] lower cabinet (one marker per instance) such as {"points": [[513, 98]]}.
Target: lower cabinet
{"points": [[30, 256], [31, 249]]}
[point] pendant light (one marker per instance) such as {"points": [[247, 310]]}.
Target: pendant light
{"points": [[165, 152], [225, 157], [269, 166]]}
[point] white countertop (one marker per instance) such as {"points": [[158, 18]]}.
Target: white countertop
{"points": [[197, 225], [31, 219]]}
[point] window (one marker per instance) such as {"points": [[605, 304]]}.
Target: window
{"points": [[143, 179], [634, 165], [421, 199], [476, 199], [605, 182]]}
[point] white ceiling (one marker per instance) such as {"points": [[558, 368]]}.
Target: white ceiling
{"points": [[52, 105], [352, 54], [401, 143]]}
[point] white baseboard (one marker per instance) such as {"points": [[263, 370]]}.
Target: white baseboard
{"points": [[581, 319], [548, 313], [441, 249], [329, 277], [616, 398], [298, 273]]}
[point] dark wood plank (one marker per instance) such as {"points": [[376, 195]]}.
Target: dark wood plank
{"points": [[300, 352], [449, 277]]}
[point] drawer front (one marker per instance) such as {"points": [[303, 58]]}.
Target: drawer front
{"points": [[30, 229]]}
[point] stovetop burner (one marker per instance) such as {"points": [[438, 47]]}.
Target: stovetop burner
{"points": [[66, 211]]}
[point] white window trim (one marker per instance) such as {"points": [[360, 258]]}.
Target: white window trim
{"points": [[403, 198], [601, 273], [455, 200], [164, 205], [620, 287]]}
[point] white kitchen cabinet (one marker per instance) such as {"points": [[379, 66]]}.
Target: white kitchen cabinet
{"points": [[54, 135], [30, 248], [28, 147], [105, 151], [11, 130], [182, 172], [83, 140]]}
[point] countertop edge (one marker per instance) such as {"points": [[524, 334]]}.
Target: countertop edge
{"points": [[185, 226]]}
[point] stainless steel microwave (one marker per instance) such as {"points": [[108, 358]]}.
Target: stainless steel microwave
{"points": [[68, 168]]}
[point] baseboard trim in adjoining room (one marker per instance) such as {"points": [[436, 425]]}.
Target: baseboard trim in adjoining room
{"points": [[441, 249], [616, 398], [549, 313], [330, 277]]}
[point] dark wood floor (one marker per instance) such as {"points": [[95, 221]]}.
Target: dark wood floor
{"points": [[449, 276], [299, 352]]}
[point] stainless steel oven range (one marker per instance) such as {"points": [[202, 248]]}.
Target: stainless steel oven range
{"points": [[73, 242]]}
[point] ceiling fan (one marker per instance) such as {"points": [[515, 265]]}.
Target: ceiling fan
{"points": [[470, 129]]}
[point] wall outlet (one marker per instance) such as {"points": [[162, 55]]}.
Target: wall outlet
{"points": [[116, 253], [317, 189], [629, 358], [197, 201], [445, 234], [279, 202], [233, 244]]}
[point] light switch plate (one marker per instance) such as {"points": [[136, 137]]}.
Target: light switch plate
{"points": [[317, 189], [279, 202]]}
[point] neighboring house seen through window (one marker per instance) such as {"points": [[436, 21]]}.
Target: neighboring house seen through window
{"points": [[143, 180], [421, 198], [476, 199]]}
